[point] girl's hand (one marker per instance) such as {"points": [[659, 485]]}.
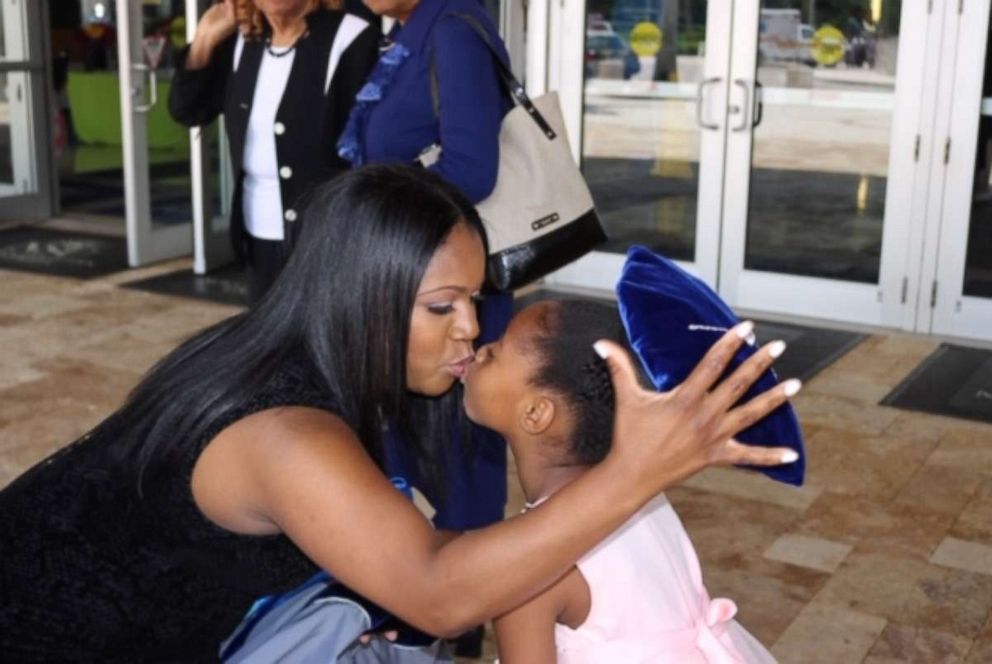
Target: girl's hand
{"points": [[664, 437]]}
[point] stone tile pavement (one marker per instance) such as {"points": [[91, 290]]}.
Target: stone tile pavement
{"points": [[884, 556]]}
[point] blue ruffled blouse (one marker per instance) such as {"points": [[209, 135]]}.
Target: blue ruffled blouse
{"points": [[393, 119]]}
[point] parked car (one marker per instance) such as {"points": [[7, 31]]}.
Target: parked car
{"points": [[607, 55]]}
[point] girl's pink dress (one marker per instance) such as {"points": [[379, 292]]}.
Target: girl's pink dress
{"points": [[649, 605]]}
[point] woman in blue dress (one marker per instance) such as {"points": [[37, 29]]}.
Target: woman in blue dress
{"points": [[437, 85], [397, 118]]}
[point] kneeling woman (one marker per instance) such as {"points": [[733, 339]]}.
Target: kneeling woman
{"points": [[250, 456]]}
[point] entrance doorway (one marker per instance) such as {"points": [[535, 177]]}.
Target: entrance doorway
{"points": [[790, 153], [125, 159]]}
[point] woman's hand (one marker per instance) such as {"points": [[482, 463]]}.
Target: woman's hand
{"points": [[217, 24], [665, 437], [390, 635]]}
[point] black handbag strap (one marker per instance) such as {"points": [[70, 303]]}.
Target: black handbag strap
{"points": [[510, 82]]}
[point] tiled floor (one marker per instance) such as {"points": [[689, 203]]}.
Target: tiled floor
{"points": [[884, 556]]}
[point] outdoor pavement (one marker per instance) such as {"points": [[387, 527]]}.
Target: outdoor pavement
{"points": [[884, 556]]}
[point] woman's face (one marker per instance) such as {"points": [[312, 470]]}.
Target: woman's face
{"points": [[444, 325], [283, 9], [397, 9]]}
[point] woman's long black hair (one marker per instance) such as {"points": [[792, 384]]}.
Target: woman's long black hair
{"points": [[343, 302]]}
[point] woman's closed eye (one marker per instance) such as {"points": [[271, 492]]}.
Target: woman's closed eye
{"points": [[445, 308], [441, 309]]}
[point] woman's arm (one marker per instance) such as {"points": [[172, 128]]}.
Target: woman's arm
{"points": [[196, 96], [303, 472], [471, 108]]}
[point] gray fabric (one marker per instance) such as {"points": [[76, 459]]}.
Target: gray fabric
{"points": [[381, 651], [311, 629]]}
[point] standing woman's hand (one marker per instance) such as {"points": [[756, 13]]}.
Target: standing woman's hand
{"points": [[217, 24], [664, 437]]}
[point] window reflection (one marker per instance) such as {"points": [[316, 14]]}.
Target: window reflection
{"points": [[643, 62], [820, 152]]}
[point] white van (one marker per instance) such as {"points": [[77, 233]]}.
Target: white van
{"points": [[783, 37]]}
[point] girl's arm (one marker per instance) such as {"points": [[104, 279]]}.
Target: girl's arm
{"points": [[303, 472], [526, 635]]}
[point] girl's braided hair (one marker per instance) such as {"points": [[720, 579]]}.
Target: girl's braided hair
{"points": [[252, 20], [569, 366]]}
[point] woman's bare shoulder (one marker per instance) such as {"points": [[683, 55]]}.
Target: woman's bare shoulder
{"points": [[250, 458]]}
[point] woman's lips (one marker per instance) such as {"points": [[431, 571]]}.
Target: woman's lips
{"points": [[460, 368]]}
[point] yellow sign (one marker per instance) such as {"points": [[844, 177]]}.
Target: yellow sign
{"points": [[645, 39], [828, 45]]}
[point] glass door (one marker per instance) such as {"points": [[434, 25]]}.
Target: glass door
{"points": [[26, 190], [644, 87], [957, 297], [822, 153], [156, 149]]}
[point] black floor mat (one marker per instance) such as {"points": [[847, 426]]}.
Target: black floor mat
{"points": [[954, 381], [61, 253], [228, 285], [810, 349]]}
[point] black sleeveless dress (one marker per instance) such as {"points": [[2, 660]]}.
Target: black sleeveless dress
{"points": [[91, 571]]}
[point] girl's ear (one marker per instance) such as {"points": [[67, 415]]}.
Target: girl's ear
{"points": [[538, 415]]}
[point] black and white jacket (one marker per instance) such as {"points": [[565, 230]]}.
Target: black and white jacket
{"points": [[331, 64]]}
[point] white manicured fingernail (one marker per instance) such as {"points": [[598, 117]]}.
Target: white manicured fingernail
{"points": [[790, 456], [792, 386], [601, 349], [744, 329], [776, 348]]}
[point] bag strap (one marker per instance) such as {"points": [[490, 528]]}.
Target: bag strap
{"points": [[510, 82]]}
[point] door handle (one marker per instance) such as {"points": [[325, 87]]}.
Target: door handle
{"points": [[759, 104], [743, 108], [144, 70], [700, 100]]}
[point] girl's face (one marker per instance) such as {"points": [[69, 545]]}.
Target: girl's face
{"points": [[397, 9], [497, 384], [443, 324]]}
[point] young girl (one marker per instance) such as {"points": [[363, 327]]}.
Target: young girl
{"points": [[638, 597]]}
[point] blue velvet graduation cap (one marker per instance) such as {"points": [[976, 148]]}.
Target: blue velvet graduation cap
{"points": [[672, 318]]}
